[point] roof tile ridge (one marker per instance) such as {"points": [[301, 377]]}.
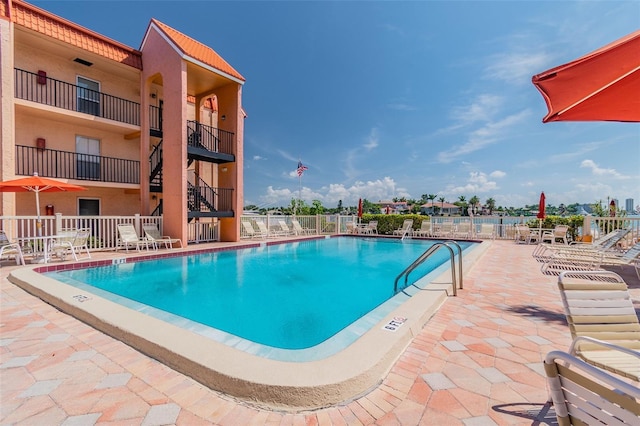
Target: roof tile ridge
{"points": [[72, 25]]}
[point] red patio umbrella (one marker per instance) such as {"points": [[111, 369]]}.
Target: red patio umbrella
{"points": [[37, 185], [542, 208], [359, 209], [612, 208], [600, 86]]}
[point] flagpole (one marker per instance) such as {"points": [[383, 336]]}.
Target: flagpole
{"points": [[300, 170], [299, 193]]}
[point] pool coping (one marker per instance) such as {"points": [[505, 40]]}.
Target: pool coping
{"points": [[264, 382]]}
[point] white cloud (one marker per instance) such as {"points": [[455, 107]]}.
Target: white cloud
{"points": [[258, 158], [372, 140], [477, 183], [483, 108], [497, 174], [598, 171], [488, 134], [516, 67], [401, 107], [373, 190]]}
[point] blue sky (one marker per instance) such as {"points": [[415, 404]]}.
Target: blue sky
{"points": [[398, 99]]}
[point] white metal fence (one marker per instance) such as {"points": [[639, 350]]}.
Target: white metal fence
{"points": [[503, 227], [105, 234]]}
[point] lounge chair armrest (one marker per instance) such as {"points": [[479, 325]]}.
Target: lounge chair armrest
{"points": [[595, 372], [576, 344]]}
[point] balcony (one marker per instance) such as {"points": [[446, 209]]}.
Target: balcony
{"points": [[48, 91], [71, 165], [209, 144], [205, 201]]}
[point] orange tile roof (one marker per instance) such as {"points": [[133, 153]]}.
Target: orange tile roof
{"points": [[43, 22], [197, 50]]}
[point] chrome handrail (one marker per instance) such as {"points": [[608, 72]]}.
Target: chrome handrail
{"points": [[424, 256]]}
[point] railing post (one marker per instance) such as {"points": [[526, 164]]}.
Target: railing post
{"points": [[137, 223], [586, 225], [58, 222]]}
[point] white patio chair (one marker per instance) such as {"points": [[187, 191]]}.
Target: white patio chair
{"points": [[559, 233], [71, 241], [10, 249]]}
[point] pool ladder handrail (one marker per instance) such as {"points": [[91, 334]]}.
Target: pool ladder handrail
{"points": [[424, 256]]}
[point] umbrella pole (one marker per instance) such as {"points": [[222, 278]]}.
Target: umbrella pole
{"points": [[38, 220]]}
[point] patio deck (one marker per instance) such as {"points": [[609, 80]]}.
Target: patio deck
{"points": [[478, 361]]}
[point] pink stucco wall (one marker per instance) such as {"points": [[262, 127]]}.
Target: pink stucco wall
{"points": [[158, 57]]}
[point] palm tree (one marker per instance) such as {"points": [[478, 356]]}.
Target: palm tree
{"points": [[441, 199], [491, 204], [462, 203], [474, 201]]}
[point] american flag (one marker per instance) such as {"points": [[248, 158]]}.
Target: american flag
{"points": [[301, 168]]}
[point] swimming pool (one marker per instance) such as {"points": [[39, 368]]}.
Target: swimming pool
{"points": [[287, 296], [346, 365]]}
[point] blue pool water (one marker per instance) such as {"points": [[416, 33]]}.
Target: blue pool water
{"points": [[289, 296]]}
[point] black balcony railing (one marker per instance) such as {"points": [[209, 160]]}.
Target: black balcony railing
{"points": [[71, 165], [203, 198], [155, 118], [209, 138], [59, 94]]}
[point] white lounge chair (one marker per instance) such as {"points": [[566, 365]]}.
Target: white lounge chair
{"points": [[128, 237], [153, 234], [590, 261], [462, 230], [425, 229], [250, 232], [545, 251], [405, 229], [299, 230], [487, 231], [443, 229], [10, 249], [600, 312], [585, 395], [264, 231], [284, 228]]}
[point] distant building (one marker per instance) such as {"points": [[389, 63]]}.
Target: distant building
{"points": [[393, 207], [439, 208], [585, 209], [628, 205]]}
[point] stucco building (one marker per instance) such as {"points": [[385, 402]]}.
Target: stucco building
{"points": [[157, 130]]}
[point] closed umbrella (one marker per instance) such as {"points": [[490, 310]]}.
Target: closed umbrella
{"points": [[541, 209], [612, 208], [37, 184], [600, 86], [360, 210]]}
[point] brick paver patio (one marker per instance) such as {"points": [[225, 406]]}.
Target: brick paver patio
{"points": [[478, 361]]}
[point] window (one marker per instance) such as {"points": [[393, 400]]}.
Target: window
{"points": [[88, 96], [88, 207], [87, 158]]}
